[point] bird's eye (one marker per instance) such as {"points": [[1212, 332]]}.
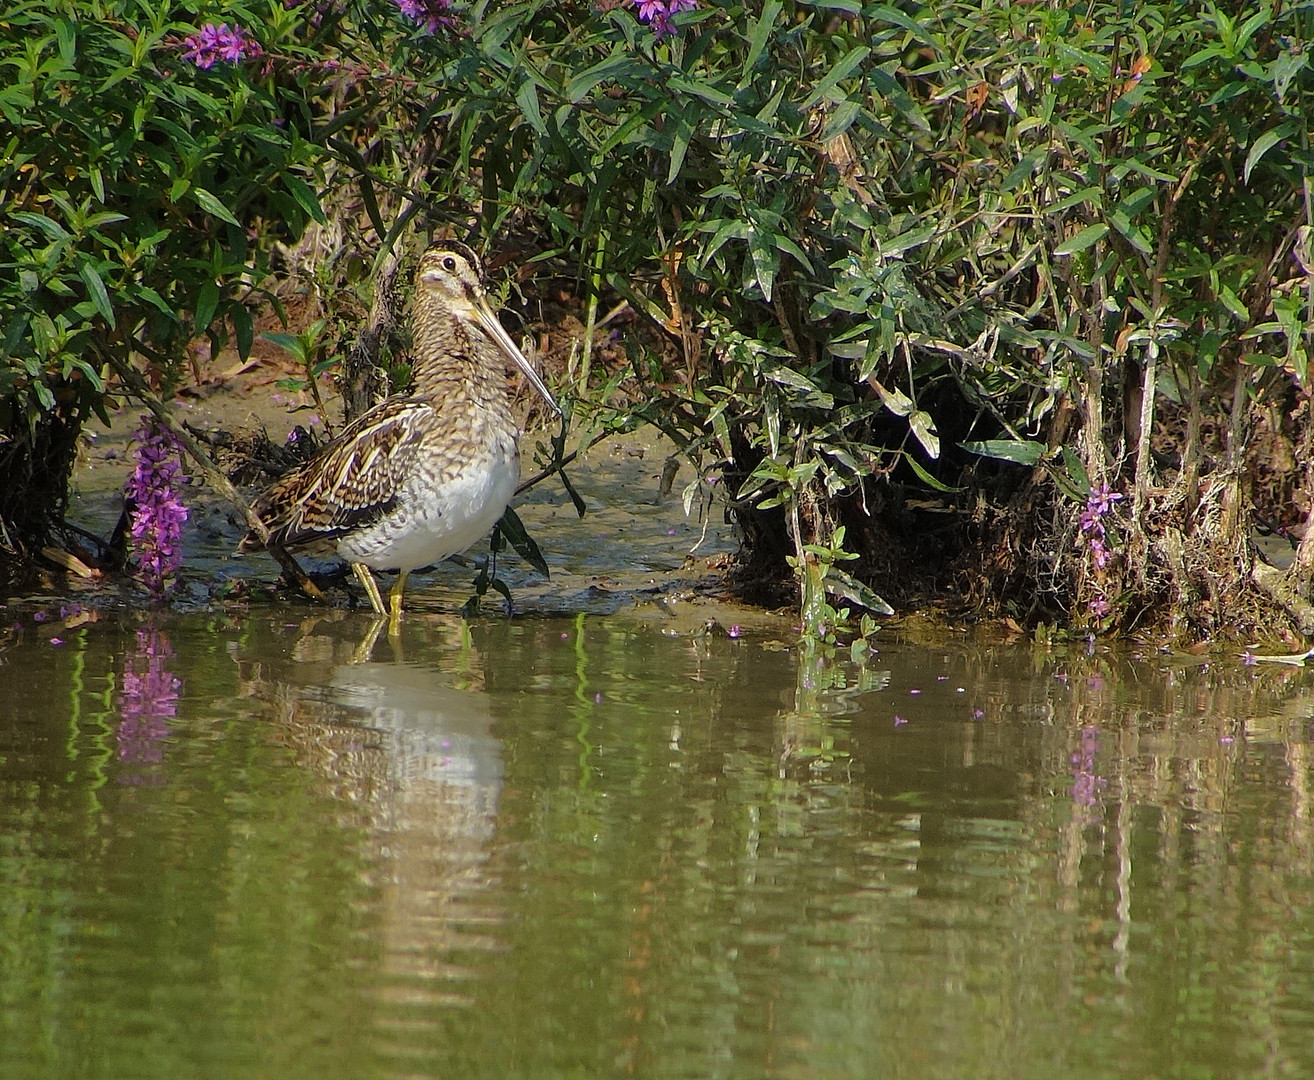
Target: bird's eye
{"points": [[449, 264]]}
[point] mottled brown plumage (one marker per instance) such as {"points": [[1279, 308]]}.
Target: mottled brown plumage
{"points": [[421, 476]]}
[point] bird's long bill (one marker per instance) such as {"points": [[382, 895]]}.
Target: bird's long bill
{"points": [[490, 323]]}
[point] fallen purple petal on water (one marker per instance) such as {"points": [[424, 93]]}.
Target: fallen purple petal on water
{"points": [[1227, 740], [899, 721], [915, 691], [597, 698], [978, 713], [40, 616], [57, 641], [733, 632]]}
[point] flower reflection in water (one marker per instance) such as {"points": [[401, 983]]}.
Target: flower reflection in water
{"points": [[1086, 783], [148, 700]]}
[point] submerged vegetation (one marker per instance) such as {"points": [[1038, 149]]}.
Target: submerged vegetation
{"points": [[1009, 304]]}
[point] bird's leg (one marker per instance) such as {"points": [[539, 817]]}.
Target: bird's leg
{"points": [[364, 576], [395, 603]]}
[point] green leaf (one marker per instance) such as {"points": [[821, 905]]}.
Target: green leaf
{"points": [[840, 120], [895, 400], [14, 333], [757, 35], [1132, 232], [766, 260], [1021, 451], [682, 132], [212, 206], [581, 508], [787, 376], [613, 67], [927, 479], [842, 584], [924, 428], [1076, 471], [1264, 144], [527, 99], [97, 291], [243, 331], [372, 205], [51, 228], [305, 197], [207, 300], [1088, 237], [1024, 168], [511, 527], [846, 66], [289, 342]]}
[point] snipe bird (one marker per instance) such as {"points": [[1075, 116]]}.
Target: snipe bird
{"points": [[424, 475]]}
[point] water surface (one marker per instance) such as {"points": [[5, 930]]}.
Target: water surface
{"points": [[236, 846]]}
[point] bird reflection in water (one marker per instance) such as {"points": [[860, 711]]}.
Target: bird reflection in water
{"points": [[415, 758]]}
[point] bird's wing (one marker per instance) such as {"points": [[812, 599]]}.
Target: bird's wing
{"points": [[352, 481]]}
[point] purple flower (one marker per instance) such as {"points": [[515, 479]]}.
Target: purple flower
{"points": [[156, 510], [1102, 498], [657, 13], [1090, 522], [1099, 553], [212, 44], [148, 699], [431, 15]]}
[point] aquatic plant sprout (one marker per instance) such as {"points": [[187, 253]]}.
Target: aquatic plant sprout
{"points": [[213, 44], [157, 512]]}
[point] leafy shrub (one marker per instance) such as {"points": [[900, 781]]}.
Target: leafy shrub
{"points": [[922, 242]]}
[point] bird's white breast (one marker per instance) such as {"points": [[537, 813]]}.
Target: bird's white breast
{"points": [[437, 515]]}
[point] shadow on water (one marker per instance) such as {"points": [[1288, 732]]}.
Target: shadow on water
{"points": [[561, 847]]}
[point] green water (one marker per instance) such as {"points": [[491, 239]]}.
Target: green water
{"points": [[244, 847]]}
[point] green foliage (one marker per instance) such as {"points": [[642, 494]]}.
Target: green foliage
{"points": [[867, 240]]}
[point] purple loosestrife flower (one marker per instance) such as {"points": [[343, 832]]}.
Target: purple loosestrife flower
{"points": [[212, 44], [1101, 499], [431, 15], [657, 13], [157, 511]]}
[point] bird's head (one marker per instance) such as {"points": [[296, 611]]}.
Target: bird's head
{"points": [[451, 274]]}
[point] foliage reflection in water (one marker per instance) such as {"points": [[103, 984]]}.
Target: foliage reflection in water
{"points": [[599, 847]]}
